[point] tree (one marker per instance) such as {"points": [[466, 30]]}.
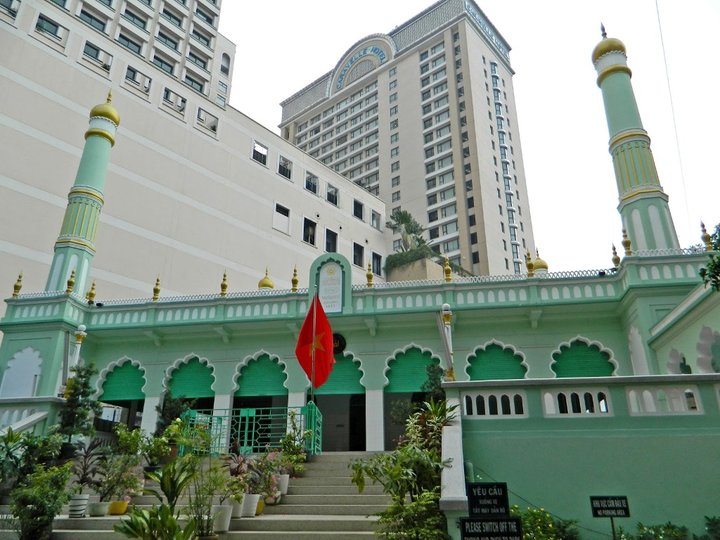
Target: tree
{"points": [[711, 273], [410, 230], [76, 417]]}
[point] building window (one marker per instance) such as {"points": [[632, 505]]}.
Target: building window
{"points": [[395, 196], [163, 64], [309, 227], [201, 38], [394, 151], [471, 220], [172, 17], [260, 153], [377, 264], [92, 51], [330, 241], [194, 83], [311, 182], [392, 72], [285, 167], [129, 44], [394, 124], [137, 20], [475, 257], [375, 219], [395, 181], [332, 195], [281, 218], [92, 20], [47, 26], [358, 254], [358, 209], [209, 19], [393, 84], [395, 166], [197, 60]]}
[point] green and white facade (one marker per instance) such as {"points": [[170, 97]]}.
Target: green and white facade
{"points": [[597, 382]]}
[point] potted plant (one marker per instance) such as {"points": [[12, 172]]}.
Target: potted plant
{"points": [[21, 453], [238, 483], [37, 501], [173, 479], [253, 488], [11, 456], [85, 469], [154, 449], [76, 417], [156, 523], [209, 480], [119, 472], [268, 466], [293, 444]]}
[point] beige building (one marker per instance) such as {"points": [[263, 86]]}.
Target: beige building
{"points": [[425, 118], [194, 187]]}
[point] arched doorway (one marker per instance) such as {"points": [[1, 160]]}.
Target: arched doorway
{"points": [[122, 389]]}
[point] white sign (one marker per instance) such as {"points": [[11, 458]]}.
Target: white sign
{"points": [[330, 286]]}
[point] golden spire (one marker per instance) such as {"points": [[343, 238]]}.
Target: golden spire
{"points": [[529, 265], [627, 243], [70, 283], [447, 270], [369, 275], [156, 290], [294, 280], [106, 110], [539, 263], [224, 284], [17, 286], [706, 238], [615, 257], [90, 295]]}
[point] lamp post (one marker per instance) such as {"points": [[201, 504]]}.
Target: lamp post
{"points": [[445, 321]]}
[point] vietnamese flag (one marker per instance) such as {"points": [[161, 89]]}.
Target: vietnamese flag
{"points": [[314, 349]]}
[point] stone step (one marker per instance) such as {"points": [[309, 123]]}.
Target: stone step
{"points": [[321, 481], [340, 489], [345, 457], [325, 509], [337, 499], [231, 535], [323, 523]]}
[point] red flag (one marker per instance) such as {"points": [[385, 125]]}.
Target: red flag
{"points": [[316, 337]]}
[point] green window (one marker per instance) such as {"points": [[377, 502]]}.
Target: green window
{"points": [[261, 377], [494, 362], [581, 360], [123, 382], [408, 370], [343, 379], [192, 380]]}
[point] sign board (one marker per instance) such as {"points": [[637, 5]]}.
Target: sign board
{"points": [[330, 287], [490, 529], [488, 499], [610, 506]]}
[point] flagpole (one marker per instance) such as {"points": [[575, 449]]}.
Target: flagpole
{"points": [[312, 376]]}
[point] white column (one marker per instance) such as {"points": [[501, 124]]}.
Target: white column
{"points": [[374, 420], [222, 406], [150, 415]]}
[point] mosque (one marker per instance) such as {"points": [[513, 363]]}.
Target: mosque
{"points": [[571, 385]]}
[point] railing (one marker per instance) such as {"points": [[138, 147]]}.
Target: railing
{"points": [[252, 430], [29, 414]]}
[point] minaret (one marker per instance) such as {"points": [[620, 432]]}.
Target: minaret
{"points": [[643, 203], [75, 246]]}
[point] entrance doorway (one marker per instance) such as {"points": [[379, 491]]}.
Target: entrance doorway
{"points": [[343, 421]]}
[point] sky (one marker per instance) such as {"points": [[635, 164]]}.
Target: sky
{"points": [[284, 45]]}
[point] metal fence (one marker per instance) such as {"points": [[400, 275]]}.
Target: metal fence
{"points": [[252, 430]]}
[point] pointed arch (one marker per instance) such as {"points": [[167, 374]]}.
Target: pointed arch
{"points": [[21, 375], [582, 357], [412, 362], [128, 379], [345, 377], [265, 374], [496, 360], [196, 380]]}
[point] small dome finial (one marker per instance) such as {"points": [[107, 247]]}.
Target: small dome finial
{"points": [[18, 286], [447, 270], [266, 282], [369, 275], [109, 96], [603, 33], [529, 265], [294, 281], [615, 257], [627, 243], [156, 290], [106, 110], [90, 295], [706, 238], [70, 283], [224, 284], [541, 267]]}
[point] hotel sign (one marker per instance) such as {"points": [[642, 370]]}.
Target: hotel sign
{"points": [[374, 51]]}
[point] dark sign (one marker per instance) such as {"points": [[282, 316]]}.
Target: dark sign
{"points": [[491, 529], [339, 343], [488, 499], [610, 506]]}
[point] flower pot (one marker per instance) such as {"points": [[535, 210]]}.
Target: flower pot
{"points": [[260, 506], [97, 509], [250, 503], [284, 481], [237, 508], [78, 505], [273, 499], [117, 508], [223, 514]]}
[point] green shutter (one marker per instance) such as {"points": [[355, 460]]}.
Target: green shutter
{"points": [[582, 360], [408, 371], [494, 362], [262, 377], [192, 380], [344, 378], [124, 382]]}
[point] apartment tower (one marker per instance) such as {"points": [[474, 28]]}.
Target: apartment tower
{"points": [[425, 118]]}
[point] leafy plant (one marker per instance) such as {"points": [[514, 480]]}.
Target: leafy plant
{"points": [[39, 499], [86, 465], [402, 221], [171, 409], [157, 523], [294, 444], [712, 526], [209, 481], [174, 479], [76, 417], [11, 456], [538, 524], [710, 273], [20, 453], [418, 520], [667, 531]]}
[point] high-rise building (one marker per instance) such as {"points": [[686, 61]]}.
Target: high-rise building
{"points": [[194, 188], [425, 118]]}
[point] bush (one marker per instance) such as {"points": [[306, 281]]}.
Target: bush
{"points": [[417, 520], [538, 524], [39, 499]]}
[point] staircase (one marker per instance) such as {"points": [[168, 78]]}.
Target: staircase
{"points": [[321, 505]]}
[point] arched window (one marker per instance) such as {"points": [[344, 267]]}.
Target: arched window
{"points": [[225, 64]]}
